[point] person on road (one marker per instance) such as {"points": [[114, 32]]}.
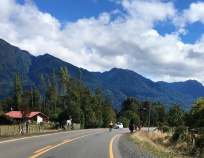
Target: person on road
{"points": [[69, 123], [132, 126], [110, 125]]}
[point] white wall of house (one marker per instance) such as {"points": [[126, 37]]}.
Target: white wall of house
{"points": [[39, 119]]}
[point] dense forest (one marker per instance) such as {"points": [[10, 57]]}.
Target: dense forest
{"points": [[67, 96]]}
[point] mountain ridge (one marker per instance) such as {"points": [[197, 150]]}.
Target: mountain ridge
{"points": [[117, 83]]}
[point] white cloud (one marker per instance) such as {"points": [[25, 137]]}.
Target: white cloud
{"points": [[195, 12], [7, 9], [129, 41], [191, 15]]}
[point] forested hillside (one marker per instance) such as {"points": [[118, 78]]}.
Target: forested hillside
{"points": [[133, 84], [12, 60], [30, 68], [191, 87], [118, 84]]}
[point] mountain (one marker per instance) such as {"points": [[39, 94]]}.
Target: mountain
{"points": [[13, 60], [45, 63], [191, 87], [117, 83], [133, 84]]}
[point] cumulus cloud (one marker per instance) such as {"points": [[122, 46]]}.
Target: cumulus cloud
{"points": [[100, 43], [194, 13]]}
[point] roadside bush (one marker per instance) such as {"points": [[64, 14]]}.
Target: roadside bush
{"points": [[199, 141], [124, 120], [6, 120], [57, 124], [42, 123], [164, 129], [34, 123], [179, 131]]}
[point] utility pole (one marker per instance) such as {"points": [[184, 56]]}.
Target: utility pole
{"points": [[149, 117]]}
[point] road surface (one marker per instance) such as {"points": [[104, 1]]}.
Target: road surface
{"points": [[89, 143]]}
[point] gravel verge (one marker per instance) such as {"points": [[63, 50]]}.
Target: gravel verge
{"points": [[129, 149]]}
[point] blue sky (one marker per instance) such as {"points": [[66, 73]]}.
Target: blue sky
{"points": [[72, 10], [160, 39]]}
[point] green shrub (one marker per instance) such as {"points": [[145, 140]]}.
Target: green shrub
{"points": [[199, 141], [164, 129], [57, 124], [179, 131], [34, 123], [42, 123], [175, 137], [6, 120]]}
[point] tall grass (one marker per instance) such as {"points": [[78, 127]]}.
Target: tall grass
{"points": [[159, 143]]}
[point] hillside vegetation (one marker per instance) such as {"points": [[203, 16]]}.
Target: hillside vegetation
{"points": [[118, 84]]}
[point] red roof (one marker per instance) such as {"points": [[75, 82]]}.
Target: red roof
{"points": [[18, 114]]}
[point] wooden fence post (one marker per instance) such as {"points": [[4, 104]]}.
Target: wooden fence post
{"points": [[8, 129], [14, 130]]}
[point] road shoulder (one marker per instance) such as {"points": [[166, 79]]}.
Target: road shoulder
{"points": [[130, 149]]}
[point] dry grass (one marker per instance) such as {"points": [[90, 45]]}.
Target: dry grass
{"points": [[159, 144]]}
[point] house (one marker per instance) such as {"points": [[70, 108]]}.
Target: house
{"points": [[33, 116]]}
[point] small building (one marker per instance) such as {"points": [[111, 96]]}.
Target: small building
{"points": [[33, 116]]}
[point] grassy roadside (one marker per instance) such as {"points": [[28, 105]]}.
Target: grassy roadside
{"points": [[158, 144]]}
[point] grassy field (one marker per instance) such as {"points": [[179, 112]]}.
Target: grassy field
{"points": [[159, 143]]}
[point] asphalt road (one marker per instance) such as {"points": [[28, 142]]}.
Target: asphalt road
{"points": [[89, 143]]}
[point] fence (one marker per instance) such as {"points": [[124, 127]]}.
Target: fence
{"points": [[17, 129], [76, 126], [9, 130]]}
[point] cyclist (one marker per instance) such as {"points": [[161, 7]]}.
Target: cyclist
{"points": [[132, 125], [69, 122], [110, 126]]}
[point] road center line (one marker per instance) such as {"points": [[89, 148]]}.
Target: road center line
{"points": [[42, 149], [111, 146], [63, 142]]}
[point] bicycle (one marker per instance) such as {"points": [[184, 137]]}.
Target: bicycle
{"points": [[110, 128]]}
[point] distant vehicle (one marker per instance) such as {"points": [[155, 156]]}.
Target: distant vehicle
{"points": [[194, 131], [118, 125]]}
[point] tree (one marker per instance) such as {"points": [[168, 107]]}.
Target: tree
{"points": [[162, 114], [176, 115], [129, 114], [43, 89], [54, 91], [18, 91], [36, 99], [197, 113], [51, 97], [6, 104], [64, 79], [108, 112], [25, 111]]}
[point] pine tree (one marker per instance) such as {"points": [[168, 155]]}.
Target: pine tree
{"points": [[18, 91], [43, 89]]}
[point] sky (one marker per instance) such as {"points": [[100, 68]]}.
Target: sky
{"points": [[162, 40]]}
